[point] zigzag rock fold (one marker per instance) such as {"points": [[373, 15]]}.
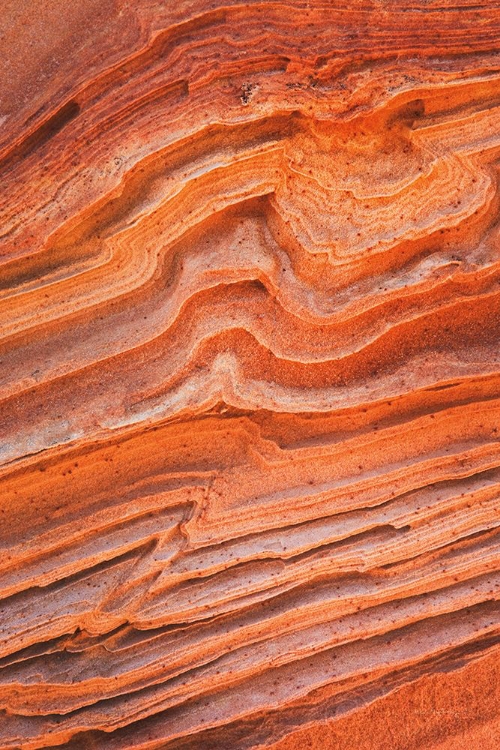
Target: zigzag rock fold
{"points": [[249, 375]]}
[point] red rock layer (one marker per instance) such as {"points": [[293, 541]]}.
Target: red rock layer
{"points": [[250, 405]]}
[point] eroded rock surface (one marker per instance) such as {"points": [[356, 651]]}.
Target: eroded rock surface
{"points": [[249, 375]]}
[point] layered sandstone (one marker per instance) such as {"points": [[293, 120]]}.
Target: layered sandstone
{"points": [[249, 375]]}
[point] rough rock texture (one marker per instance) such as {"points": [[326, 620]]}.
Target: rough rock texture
{"points": [[249, 375]]}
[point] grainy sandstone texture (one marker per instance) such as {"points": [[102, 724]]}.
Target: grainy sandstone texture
{"points": [[249, 375]]}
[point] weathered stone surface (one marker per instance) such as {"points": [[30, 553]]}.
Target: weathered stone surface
{"points": [[249, 375]]}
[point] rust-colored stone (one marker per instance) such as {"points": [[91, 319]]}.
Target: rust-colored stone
{"points": [[249, 375]]}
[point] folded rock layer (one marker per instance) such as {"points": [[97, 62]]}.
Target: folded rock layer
{"points": [[249, 375]]}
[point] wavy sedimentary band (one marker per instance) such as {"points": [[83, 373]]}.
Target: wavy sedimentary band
{"points": [[250, 376]]}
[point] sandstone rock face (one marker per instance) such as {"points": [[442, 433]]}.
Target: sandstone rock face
{"points": [[249, 374]]}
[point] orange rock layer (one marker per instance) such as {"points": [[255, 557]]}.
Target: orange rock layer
{"points": [[249, 375]]}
